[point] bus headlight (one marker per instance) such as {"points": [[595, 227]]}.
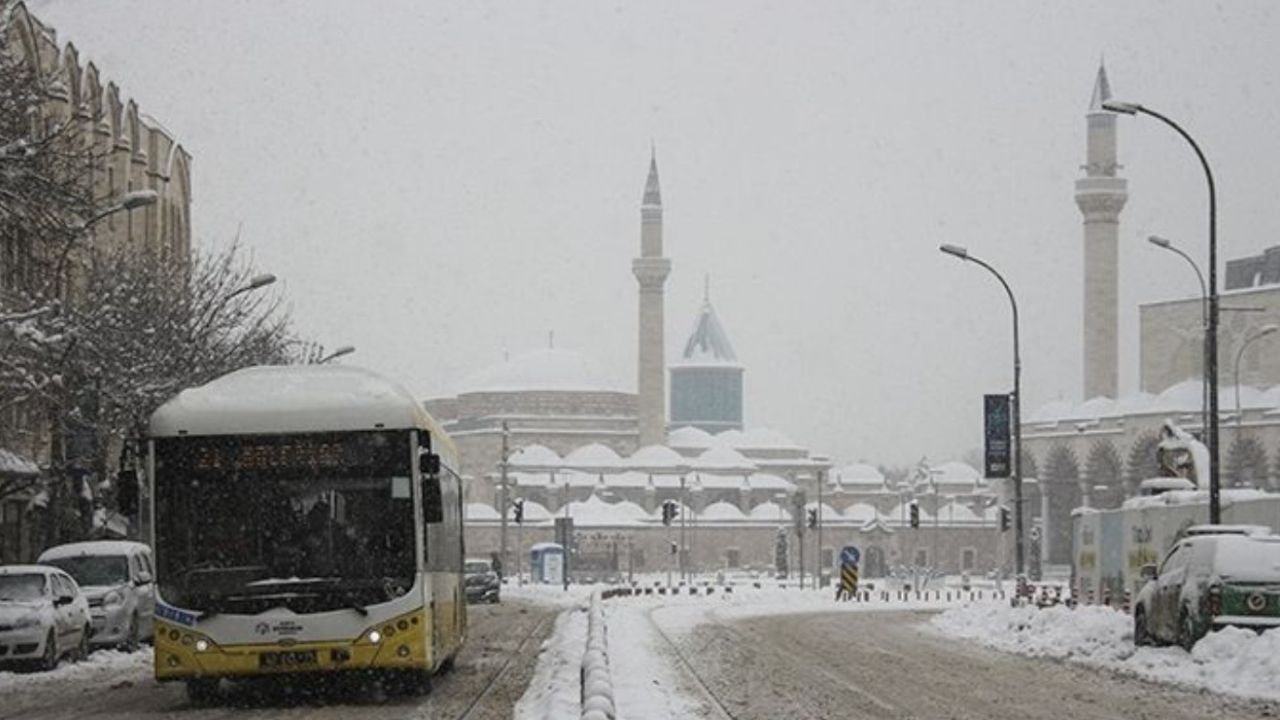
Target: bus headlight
{"points": [[202, 645], [375, 636]]}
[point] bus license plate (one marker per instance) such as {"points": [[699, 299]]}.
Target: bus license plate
{"points": [[287, 659]]}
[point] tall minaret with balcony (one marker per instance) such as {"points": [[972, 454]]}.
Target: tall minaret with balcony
{"points": [[1101, 196], [651, 270]]}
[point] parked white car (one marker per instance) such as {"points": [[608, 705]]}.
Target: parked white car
{"points": [[118, 579], [43, 616]]}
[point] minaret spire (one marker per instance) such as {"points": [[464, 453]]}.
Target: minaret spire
{"points": [[1101, 196], [651, 270]]}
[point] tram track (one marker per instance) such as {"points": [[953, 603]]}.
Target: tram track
{"points": [[715, 702], [470, 711]]}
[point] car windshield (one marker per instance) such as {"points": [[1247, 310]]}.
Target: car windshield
{"points": [[94, 569], [21, 587], [474, 567]]}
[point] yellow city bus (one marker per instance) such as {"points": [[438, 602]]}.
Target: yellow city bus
{"points": [[307, 519]]}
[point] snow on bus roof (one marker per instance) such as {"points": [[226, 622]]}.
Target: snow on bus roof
{"points": [[291, 398], [93, 548]]}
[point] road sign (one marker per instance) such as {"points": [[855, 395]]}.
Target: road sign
{"points": [[849, 556], [996, 425]]}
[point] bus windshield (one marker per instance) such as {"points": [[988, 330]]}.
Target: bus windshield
{"points": [[310, 523]]}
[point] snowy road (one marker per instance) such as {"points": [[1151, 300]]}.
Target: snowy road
{"points": [[887, 665], [113, 685]]}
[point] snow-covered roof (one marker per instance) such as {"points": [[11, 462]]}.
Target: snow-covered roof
{"points": [[954, 473], [534, 456], [721, 511], [92, 548], [763, 438], [480, 511], [595, 511], [551, 369], [861, 511], [292, 398], [769, 481], [594, 455], [707, 344], [690, 437], [723, 458], [827, 513], [769, 510], [654, 457], [11, 463], [856, 474], [902, 513], [727, 438], [1051, 412], [954, 512]]}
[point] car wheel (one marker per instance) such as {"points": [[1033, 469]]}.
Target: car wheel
{"points": [[1141, 636], [130, 643], [202, 691], [82, 650], [50, 658], [1187, 633]]}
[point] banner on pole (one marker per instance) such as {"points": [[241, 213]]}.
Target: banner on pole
{"points": [[997, 432]]}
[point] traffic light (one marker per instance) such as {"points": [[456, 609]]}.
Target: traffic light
{"points": [[915, 515], [669, 511], [1004, 519], [517, 511], [813, 518]]}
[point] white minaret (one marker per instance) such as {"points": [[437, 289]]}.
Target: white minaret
{"points": [[651, 270], [1101, 196]]}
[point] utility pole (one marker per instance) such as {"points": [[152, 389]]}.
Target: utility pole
{"points": [[684, 510], [817, 545], [503, 502]]}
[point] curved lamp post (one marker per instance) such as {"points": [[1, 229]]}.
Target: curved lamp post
{"points": [[257, 281], [1211, 336], [1263, 331], [344, 350], [129, 201], [1165, 244], [1016, 420]]}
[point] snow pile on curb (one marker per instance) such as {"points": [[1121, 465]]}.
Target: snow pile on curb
{"points": [[1231, 660], [101, 666], [597, 684], [554, 690]]}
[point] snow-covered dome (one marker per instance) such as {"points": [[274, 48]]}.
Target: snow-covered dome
{"points": [[954, 512], [827, 513], [595, 511], [955, 473], [765, 439], [1052, 412], [594, 455], [1183, 397], [534, 456], [1135, 404], [1093, 409], [770, 511], [655, 457], [769, 481], [861, 512], [480, 511], [727, 438], [553, 369], [535, 511], [857, 474], [723, 458], [690, 438], [902, 513], [721, 511]]}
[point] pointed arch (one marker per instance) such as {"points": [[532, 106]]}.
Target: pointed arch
{"points": [[23, 33], [91, 91], [1142, 462], [1104, 474], [1061, 485], [72, 76], [1246, 464]]}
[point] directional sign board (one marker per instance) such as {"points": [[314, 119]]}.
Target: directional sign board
{"points": [[849, 557]]}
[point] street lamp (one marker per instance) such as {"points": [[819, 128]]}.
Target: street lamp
{"points": [[1016, 464], [344, 350], [1264, 331], [1211, 336], [257, 281], [129, 201], [1165, 244]]}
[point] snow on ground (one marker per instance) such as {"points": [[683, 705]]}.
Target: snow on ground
{"points": [[548, 595], [1232, 660], [102, 667], [645, 674]]}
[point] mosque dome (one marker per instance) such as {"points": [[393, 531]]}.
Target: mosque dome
{"points": [[551, 369]]}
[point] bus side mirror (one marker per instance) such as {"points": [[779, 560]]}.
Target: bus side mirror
{"points": [[430, 464], [432, 504]]}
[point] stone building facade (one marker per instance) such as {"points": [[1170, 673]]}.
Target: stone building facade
{"points": [[139, 154]]}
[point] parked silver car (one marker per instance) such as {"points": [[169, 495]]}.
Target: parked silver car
{"points": [[118, 579], [43, 616]]}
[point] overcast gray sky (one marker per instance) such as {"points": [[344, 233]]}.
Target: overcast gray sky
{"points": [[435, 181]]}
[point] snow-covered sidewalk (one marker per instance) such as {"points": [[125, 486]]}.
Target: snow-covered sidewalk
{"points": [[1233, 661]]}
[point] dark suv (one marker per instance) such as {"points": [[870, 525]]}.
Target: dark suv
{"points": [[483, 584]]}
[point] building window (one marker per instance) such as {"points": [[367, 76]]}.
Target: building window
{"points": [[732, 557], [967, 559]]}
